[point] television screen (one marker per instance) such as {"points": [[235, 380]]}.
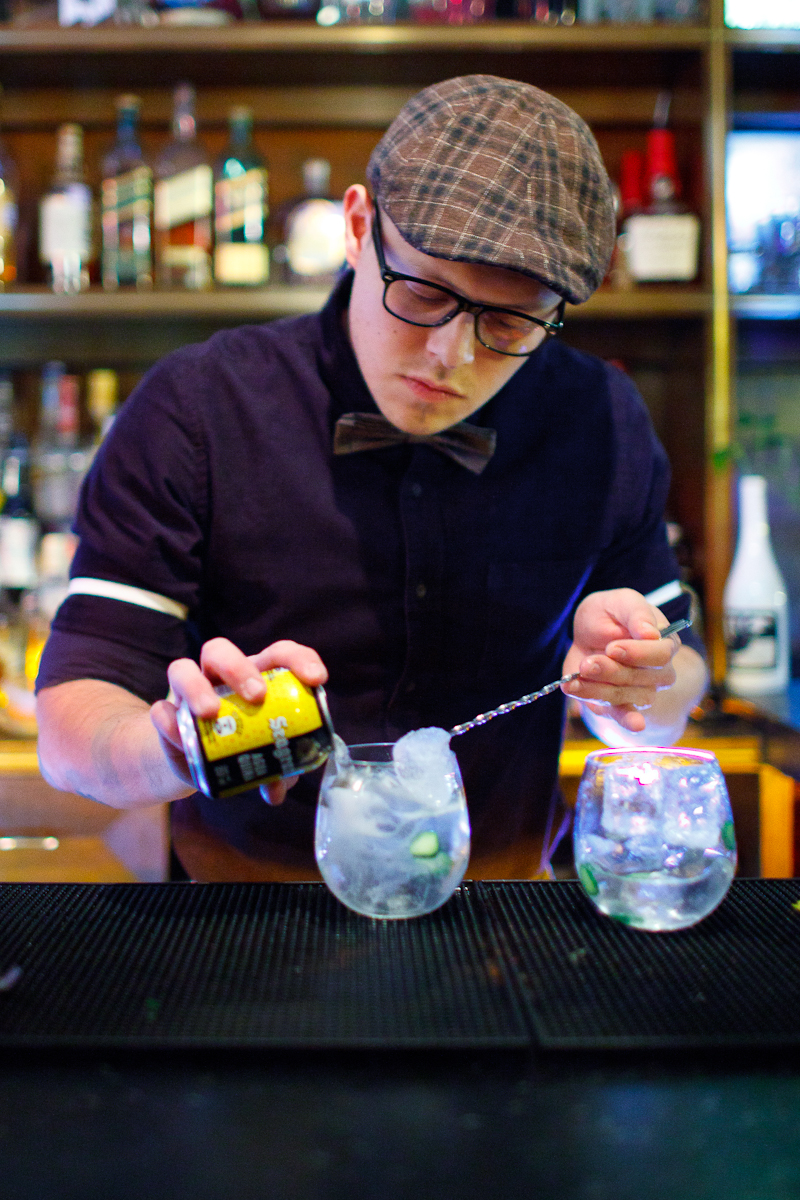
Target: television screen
{"points": [[762, 196], [762, 14]]}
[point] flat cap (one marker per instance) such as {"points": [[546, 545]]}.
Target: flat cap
{"points": [[486, 170]]}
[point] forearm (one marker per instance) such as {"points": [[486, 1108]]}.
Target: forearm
{"points": [[666, 719], [98, 740]]}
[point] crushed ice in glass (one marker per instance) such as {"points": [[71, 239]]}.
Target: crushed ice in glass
{"points": [[423, 758]]}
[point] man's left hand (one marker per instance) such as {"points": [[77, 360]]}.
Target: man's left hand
{"points": [[622, 659]]}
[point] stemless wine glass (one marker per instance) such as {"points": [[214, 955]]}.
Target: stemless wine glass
{"points": [[654, 839], [391, 843]]}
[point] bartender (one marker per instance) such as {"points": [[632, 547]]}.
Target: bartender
{"points": [[419, 496]]}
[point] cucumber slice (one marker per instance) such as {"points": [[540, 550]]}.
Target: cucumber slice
{"points": [[425, 844]]}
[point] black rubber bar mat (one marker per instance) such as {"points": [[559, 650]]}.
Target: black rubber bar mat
{"points": [[285, 965], [591, 983], [278, 965]]}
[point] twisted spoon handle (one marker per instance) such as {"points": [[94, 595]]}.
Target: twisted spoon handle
{"points": [[482, 718]]}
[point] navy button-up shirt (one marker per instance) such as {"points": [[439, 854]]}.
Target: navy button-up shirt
{"points": [[216, 507]]}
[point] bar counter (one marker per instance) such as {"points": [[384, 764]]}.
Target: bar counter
{"points": [[690, 1119]]}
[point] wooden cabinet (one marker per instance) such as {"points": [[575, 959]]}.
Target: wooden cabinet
{"points": [[332, 92]]}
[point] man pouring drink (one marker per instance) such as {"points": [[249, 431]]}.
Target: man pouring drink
{"points": [[419, 497]]}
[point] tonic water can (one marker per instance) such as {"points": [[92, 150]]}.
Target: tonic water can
{"points": [[247, 745]]}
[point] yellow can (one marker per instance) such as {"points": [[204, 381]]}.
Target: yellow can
{"points": [[247, 745]]}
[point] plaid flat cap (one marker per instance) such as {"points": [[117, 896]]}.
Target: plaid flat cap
{"points": [[487, 170]]}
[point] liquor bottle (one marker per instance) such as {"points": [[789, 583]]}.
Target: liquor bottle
{"points": [[662, 240], [102, 394], [312, 250], [19, 528], [65, 216], [127, 205], [59, 462], [628, 202], [6, 411], [183, 202], [241, 205], [9, 211], [755, 601]]}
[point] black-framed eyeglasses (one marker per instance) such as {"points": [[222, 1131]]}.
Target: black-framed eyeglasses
{"points": [[419, 302]]}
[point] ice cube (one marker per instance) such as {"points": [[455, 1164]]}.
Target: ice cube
{"points": [[632, 798], [341, 754], [635, 854], [426, 764], [694, 805]]}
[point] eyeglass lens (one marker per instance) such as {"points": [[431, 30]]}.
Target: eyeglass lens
{"points": [[426, 304]]}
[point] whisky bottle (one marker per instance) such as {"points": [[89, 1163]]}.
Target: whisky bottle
{"points": [[127, 205], [662, 240], [241, 205], [9, 211], [65, 216], [183, 202], [755, 601], [313, 231]]}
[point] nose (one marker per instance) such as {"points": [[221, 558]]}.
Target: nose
{"points": [[454, 343]]}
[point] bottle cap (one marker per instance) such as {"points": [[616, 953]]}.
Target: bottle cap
{"points": [[661, 154], [316, 176]]}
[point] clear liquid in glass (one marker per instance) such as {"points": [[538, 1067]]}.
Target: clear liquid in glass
{"points": [[391, 843], [654, 839]]}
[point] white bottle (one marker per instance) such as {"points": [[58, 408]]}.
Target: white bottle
{"points": [[755, 601]]}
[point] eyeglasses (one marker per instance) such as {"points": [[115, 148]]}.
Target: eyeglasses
{"points": [[418, 302]]}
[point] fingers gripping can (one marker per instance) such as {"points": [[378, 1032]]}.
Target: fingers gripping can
{"points": [[247, 745]]}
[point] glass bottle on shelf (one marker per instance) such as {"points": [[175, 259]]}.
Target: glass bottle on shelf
{"points": [[19, 542], [241, 205], [6, 411], [59, 462], [9, 211], [65, 216], [755, 601], [662, 240], [127, 205], [19, 527], [102, 395], [183, 202], [312, 250], [628, 202]]}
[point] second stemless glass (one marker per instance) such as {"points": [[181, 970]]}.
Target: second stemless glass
{"points": [[388, 846], [654, 838]]}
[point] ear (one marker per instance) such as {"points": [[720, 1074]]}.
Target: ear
{"points": [[357, 221]]}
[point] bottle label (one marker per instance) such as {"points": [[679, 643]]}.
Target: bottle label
{"points": [[127, 195], [65, 223], [751, 636], [18, 539], [184, 197], [240, 206], [242, 263], [315, 240], [662, 246]]}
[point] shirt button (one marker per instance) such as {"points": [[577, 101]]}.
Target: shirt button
{"points": [[416, 489], [421, 591]]}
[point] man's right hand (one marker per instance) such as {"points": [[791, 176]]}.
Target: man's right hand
{"points": [[221, 662]]}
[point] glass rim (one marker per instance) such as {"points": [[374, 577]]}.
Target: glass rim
{"points": [[689, 752], [356, 746]]}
